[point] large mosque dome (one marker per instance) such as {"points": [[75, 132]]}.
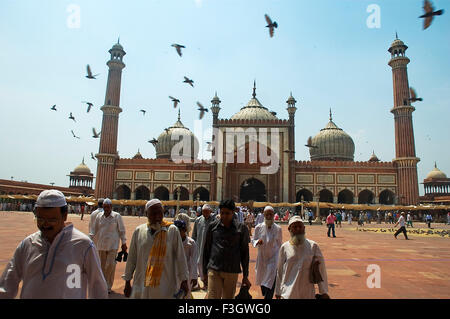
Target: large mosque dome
{"points": [[179, 132], [332, 143]]}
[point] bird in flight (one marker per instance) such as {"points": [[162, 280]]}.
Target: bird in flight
{"points": [[209, 147], [96, 135], [414, 97], [53, 107], [429, 14], [71, 117], [167, 130], [178, 47], [309, 143], [188, 81], [89, 73], [271, 25], [89, 104], [92, 156], [74, 134], [153, 142], [175, 101], [201, 109], [143, 112]]}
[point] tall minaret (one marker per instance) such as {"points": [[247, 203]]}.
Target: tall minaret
{"points": [[107, 155], [405, 152], [291, 152]]}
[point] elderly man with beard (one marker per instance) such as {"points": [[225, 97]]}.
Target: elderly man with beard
{"points": [[268, 239], [294, 265], [156, 258], [56, 262]]}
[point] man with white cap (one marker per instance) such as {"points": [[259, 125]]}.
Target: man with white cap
{"points": [[93, 217], [109, 230], [294, 266], [268, 239], [198, 234], [156, 258], [58, 261]]}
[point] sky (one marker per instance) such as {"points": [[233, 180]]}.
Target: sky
{"points": [[324, 52]]}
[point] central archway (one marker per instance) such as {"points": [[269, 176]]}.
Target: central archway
{"points": [[253, 189]]}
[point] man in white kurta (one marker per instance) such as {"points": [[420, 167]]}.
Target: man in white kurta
{"points": [[109, 230], [198, 234], [294, 263], [268, 239], [58, 261], [92, 219], [175, 266]]}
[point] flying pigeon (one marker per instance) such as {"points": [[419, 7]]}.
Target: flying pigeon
{"points": [[89, 73], [92, 156], [53, 107], [143, 112], [167, 130], [153, 142], [90, 105], [201, 109], [175, 101], [414, 97], [271, 25], [429, 14], [309, 143], [71, 117], [178, 47], [95, 133], [189, 81], [74, 134]]}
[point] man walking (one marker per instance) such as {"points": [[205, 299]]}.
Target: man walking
{"points": [[268, 239], [402, 228], [226, 250], [330, 223], [109, 229]]}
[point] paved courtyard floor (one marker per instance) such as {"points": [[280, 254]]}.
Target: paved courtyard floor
{"points": [[415, 268]]}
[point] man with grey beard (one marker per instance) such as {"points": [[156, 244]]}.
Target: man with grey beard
{"points": [[294, 265]]}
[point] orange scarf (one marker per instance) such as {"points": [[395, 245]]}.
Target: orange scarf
{"points": [[155, 262]]}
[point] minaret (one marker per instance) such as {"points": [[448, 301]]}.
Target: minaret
{"points": [[291, 152], [405, 153], [215, 108], [107, 154]]}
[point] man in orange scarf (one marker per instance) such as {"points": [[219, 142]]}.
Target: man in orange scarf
{"points": [[156, 258]]}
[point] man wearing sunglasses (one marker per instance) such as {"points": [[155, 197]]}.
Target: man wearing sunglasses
{"points": [[58, 261]]}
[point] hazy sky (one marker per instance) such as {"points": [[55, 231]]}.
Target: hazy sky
{"points": [[323, 51]]}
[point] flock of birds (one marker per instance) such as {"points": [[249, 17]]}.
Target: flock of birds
{"points": [[429, 14]]}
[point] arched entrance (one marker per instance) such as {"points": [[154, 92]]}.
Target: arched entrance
{"points": [[162, 193], [325, 196], [123, 192], [142, 192], [184, 193], [304, 195], [203, 192], [253, 189], [387, 197], [345, 197], [365, 197]]}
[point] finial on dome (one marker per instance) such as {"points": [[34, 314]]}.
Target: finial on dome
{"points": [[435, 166], [179, 117], [254, 88], [331, 116], [396, 35]]}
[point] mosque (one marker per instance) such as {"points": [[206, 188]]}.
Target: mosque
{"points": [[330, 175]]}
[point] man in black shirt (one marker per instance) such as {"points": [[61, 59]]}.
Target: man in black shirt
{"points": [[225, 250]]}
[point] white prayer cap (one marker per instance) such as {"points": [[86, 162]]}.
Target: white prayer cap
{"points": [[268, 208], [206, 207], [51, 198], [152, 202], [107, 201], [294, 220]]}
